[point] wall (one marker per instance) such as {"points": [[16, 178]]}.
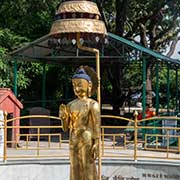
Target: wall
{"points": [[111, 170]]}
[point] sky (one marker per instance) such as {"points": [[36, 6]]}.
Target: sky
{"points": [[176, 55]]}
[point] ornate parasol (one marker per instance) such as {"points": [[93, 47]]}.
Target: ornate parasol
{"points": [[80, 21], [78, 17]]}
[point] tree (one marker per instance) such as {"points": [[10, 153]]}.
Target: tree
{"points": [[8, 40], [22, 21], [156, 23], [27, 18]]}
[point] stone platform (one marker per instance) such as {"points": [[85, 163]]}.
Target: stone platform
{"points": [[112, 169], [117, 163]]}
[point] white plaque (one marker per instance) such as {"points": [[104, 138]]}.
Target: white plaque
{"points": [[1, 135]]}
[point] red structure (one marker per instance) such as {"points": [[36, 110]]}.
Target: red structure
{"points": [[10, 104]]}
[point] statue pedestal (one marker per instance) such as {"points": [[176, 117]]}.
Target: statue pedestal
{"points": [[111, 170], [146, 170]]}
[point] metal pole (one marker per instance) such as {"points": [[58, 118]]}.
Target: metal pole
{"points": [[5, 136], [96, 51], [168, 87], [144, 87], [135, 135], [177, 94], [144, 94], [157, 88], [15, 78], [66, 84], [44, 86]]}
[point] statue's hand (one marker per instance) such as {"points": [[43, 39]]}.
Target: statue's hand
{"points": [[63, 113], [95, 151]]}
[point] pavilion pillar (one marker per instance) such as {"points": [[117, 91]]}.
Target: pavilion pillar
{"points": [[177, 93], [44, 86], [168, 87], [144, 93], [66, 84], [15, 77], [144, 87], [157, 88]]}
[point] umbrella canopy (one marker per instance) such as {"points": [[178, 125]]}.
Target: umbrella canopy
{"points": [[81, 17]]}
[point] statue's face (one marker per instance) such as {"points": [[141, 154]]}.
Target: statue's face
{"points": [[80, 87]]}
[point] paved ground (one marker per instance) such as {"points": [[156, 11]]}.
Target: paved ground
{"points": [[111, 151]]}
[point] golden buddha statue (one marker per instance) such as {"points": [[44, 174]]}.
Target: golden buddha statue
{"points": [[82, 117]]}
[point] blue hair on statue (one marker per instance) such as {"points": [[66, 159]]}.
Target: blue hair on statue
{"points": [[81, 74]]}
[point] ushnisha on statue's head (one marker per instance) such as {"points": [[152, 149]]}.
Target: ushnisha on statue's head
{"points": [[84, 82]]}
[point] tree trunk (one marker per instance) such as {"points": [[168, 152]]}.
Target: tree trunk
{"points": [[115, 75], [173, 47], [121, 11], [100, 7], [143, 36], [149, 84]]}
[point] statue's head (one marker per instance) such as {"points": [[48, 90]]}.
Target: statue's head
{"points": [[84, 81]]}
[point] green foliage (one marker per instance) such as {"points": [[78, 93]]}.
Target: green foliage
{"points": [[156, 23], [27, 72], [163, 86], [22, 21], [5, 70], [9, 40], [133, 75], [28, 18]]}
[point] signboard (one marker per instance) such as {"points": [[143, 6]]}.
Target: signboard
{"points": [[169, 123], [1, 135]]}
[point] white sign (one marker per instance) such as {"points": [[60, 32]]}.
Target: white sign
{"points": [[1, 135], [169, 123]]}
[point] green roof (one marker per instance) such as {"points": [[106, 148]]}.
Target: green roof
{"points": [[39, 50], [143, 49]]}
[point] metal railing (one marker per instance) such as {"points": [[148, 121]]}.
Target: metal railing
{"points": [[140, 139], [149, 139]]}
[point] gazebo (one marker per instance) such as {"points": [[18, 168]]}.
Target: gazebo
{"points": [[115, 49], [76, 28]]}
